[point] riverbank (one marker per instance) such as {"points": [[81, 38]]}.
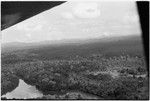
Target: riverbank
{"points": [[9, 81], [26, 91]]}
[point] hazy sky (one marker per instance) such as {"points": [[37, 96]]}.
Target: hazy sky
{"points": [[72, 20]]}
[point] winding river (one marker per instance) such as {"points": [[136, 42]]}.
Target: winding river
{"points": [[23, 91]]}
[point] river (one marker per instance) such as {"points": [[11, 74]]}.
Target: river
{"points": [[23, 91]]}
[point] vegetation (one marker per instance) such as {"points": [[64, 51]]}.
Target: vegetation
{"points": [[8, 81], [93, 76], [64, 72]]}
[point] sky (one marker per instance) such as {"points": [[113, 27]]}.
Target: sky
{"points": [[77, 20]]}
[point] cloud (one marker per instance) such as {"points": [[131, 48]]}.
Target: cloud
{"points": [[28, 35], [29, 27], [35, 23], [131, 18], [87, 10], [67, 15]]}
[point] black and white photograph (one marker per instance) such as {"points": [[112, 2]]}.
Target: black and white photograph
{"points": [[74, 50]]}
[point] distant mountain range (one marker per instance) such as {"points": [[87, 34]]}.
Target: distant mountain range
{"points": [[13, 46]]}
